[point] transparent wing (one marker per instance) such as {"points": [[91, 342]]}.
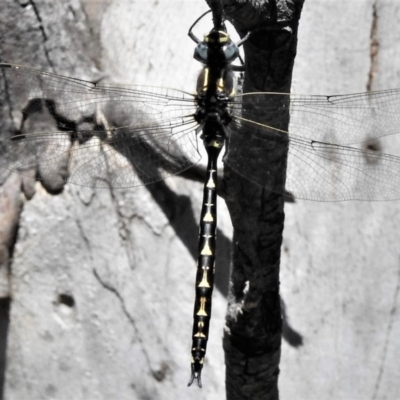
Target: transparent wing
{"points": [[95, 135], [318, 166], [340, 119]]}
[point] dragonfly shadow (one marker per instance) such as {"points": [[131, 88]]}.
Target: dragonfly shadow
{"points": [[176, 207], [40, 115], [140, 153]]}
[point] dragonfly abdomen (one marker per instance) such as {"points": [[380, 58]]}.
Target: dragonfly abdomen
{"points": [[205, 263]]}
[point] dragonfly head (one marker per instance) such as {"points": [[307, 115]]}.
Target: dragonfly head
{"points": [[216, 42]]}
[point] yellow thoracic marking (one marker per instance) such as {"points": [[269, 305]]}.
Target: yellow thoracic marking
{"points": [[220, 83], [200, 325], [202, 309], [204, 281], [206, 249], [223, 37], [206, 78], [211, 183]]}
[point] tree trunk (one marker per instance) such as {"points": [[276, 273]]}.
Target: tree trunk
{"points": [[252, 336]]}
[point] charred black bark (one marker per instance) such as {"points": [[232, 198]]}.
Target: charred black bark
{"points": [[252, 337]]}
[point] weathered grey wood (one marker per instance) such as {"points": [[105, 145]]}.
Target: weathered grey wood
{"points": [[11, 203], [340, 261]]}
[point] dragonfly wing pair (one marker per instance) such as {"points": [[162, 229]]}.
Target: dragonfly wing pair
{"points": [[98, 135], [321, 165], [93, 134]]}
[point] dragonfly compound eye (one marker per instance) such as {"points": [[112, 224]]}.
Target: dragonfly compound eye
{"points": [[201, 53], [231, 52]]}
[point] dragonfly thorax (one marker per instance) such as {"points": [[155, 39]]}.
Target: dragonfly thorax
{"points": [[215, 88], [216, 81], [213, 107]]}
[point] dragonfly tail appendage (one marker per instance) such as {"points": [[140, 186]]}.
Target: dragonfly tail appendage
{"points": [[196, 374]]}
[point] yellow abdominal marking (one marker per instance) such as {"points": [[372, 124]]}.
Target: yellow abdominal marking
{"points": [[211, 183], [206, 249], [200, 325], [202, 310], [204, 281], [208, 218]]}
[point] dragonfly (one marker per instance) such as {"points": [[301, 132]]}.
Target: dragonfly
{"points": [[145, 134]]}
